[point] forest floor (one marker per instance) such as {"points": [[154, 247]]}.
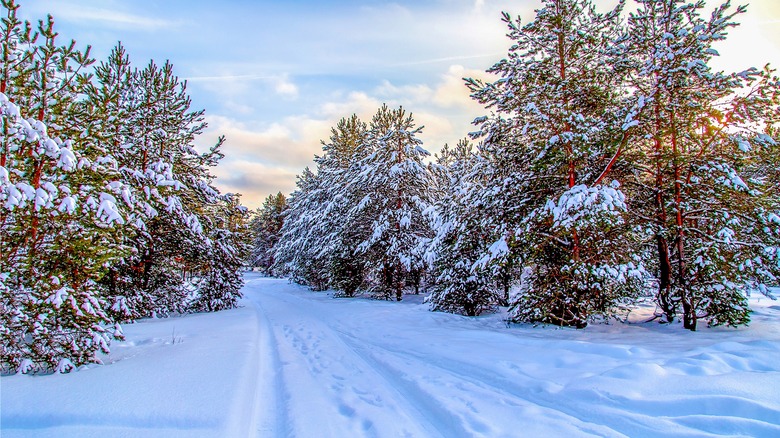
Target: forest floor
{"points": [[295, 363]]}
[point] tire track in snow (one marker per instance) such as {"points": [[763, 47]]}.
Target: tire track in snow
{"points": [[246, 405], [447, 423], [312, 329]]}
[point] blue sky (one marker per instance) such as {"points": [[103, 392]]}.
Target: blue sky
{"points": [[274, 76]]}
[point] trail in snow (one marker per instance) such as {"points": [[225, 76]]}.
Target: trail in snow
{"points": [[294, 363], [369, 368]]}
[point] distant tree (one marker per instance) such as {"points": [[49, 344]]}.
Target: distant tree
{"points": [[319, 239], [359, 222], [299, 253], [267, 225]]}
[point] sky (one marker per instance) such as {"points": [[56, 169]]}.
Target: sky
{"points": [[275, 76]]}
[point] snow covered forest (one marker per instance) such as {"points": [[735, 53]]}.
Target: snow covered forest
{"points": [[617, 183], [614, 167], [108, 214]]}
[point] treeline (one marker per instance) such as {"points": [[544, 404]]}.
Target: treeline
{"points": [[615, 164], [107, 212]]}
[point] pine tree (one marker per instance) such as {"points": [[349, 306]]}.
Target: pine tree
{"points": [[554, 146], [60, 214], [393, 182], [703, 194], [299, 254], [461, 237], [88, 193], [220, 282], [266, 225], [342, 232], [144, 117]]}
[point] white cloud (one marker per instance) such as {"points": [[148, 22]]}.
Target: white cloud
{"points": [[255, 181], [284, 87], [359, 103], [75, 12], [263, 158]]}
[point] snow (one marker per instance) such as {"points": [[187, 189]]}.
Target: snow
{"points": [[291, 362]]}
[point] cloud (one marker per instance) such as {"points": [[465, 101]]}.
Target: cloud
{"points": [[263, 158], [228, 78], [236, 85], [75, 12], [254, 181], [359, 103], [284, 87], [290, 142], [452, 90]]}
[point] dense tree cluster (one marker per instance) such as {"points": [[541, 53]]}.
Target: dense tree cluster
{"points": [[614, 158], [615, 164], [360, 221], [107, 212], [266, 224]]}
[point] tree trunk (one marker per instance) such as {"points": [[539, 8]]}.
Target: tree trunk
{"points": [[664, 296], [689, 314]]}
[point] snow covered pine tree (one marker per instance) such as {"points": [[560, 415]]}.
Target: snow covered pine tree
{"points": [[60, 218], [266, 225], [559, 123], [77, 214], [703, 193], [394, 183]]}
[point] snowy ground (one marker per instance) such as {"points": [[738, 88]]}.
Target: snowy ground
{"points": [[295, 363]]}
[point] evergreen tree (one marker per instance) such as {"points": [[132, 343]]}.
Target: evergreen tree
{"points": [[393, 182], [553, 147], [266, 225], [343, 232], [461, 237], [359, 222], [220, 280], [88, 191], [144, 116], [60, 216], [703, 193], [298, 252]]}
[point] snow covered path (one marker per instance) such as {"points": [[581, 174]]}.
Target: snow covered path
{"points": [[296, 363]]}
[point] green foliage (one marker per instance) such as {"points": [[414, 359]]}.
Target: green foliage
{"points": [[702, 182], [267, 225], [97, 227], [546, 177]]}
